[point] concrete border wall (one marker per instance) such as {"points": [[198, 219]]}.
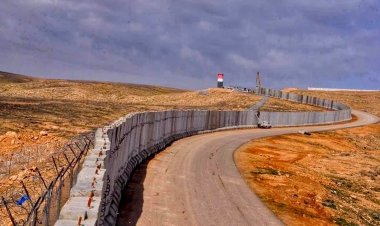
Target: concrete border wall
{"points": [[140, 135], [124, 144], [304, 99], [341, 112]]}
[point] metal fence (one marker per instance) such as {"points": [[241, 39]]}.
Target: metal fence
{"points": [[37, 197], [16, 161]]}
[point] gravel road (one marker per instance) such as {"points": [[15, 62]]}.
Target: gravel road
{"points": [[195, 181]]}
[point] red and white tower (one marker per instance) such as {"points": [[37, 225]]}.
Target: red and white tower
{"points": [[220, 80]]}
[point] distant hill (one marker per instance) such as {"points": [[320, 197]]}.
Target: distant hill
{"points": [[6, 77], [28, 86], [289, 89], [30, 105]]}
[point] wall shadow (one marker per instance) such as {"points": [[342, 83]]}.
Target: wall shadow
{"points": [[132, 200]]}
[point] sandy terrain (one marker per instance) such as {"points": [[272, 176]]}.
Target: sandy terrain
{"points": [[63, 109], [37, 116], [39, 111], [326, 178]]}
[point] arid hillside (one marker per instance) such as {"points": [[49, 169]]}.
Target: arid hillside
{"points": [[328, 178], [365, 101], [66, 108], [45, 112], [38, 116]]}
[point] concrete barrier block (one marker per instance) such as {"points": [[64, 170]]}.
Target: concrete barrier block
{"points": [[88, 222], [83, 189], [88, 173], [93, 162], [77, 207]]}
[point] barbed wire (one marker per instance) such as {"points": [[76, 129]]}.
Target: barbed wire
{"points": [[42, 176]]}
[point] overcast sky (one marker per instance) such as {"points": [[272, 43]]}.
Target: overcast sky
{"points": [[185, 43]]}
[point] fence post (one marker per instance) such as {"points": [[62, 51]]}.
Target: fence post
{"points": [[27, 193], [8, 211], [42, 179], [46, 211], [71, 149], [76, 144], [55, 165], [67, 159], [59, 195]]}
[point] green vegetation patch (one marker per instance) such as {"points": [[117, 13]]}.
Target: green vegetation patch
{"points": [[343, 222], [329, 203], [269, 171], [374, 215], [346, 184]]}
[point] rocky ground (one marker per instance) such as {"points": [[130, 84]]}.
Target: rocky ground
{"points": [[328, 178]]}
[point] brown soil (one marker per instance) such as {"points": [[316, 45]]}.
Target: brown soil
{"points": [[37, 116], [324, 179], [66, 108]]}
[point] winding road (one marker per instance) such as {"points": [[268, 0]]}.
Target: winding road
{"points": [[195, 181]]}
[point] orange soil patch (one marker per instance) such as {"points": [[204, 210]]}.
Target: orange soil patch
{"points": [[323, 179], [326, 178]]}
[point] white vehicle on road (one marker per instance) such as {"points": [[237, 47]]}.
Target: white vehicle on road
{"points": [[264, 125]]}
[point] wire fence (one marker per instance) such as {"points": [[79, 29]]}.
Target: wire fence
{"points": [[15, 162], [41, 181]]}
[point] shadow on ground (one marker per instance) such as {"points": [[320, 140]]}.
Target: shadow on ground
{"points": [[132, 199]]}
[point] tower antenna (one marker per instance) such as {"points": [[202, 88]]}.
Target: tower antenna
{"points": [[258, 80]]}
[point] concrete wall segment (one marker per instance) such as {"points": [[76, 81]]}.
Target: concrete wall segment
{"points": [[125, 143]]}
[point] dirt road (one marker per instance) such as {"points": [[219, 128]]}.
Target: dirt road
{"points": [[195, 182]]}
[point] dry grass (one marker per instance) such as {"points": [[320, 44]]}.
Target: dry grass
{"points": [[63, 109], [365, 101], [274, 104], [66, 108], [328, 178]]}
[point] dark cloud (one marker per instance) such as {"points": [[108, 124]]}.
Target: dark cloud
{"points": [[185, 43]]}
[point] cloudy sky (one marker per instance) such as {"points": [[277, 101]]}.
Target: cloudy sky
{"points": [[185, 43]]}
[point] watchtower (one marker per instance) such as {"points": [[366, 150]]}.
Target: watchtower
{"points": [[220, 80]]}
